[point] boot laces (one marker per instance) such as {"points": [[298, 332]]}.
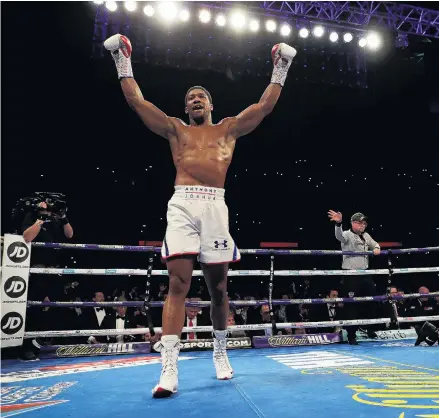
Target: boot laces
{"points": [[220, 355]]}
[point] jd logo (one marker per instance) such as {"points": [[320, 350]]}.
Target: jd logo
{"points": [[218, 244], [12, 323], [15, 287], [18, 252]]}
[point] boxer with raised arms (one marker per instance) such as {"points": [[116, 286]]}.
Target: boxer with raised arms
{"points": [[197, 217]]}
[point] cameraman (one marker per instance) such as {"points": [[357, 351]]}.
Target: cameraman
{"points": [[45, 225]]}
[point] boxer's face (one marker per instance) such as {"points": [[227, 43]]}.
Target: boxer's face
{"points": [[198, 106]]}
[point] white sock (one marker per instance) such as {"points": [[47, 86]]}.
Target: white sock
{"points": [[220, 334], [170, 340]]}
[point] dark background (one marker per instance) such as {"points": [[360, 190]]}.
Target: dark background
{"points": [[325, 147]]}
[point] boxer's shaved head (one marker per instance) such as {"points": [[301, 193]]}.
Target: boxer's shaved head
{"points": [[198, 88], [198, 103]]}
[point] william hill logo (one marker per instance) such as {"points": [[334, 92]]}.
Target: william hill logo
{"points": [[91, 350], [286, 341]]}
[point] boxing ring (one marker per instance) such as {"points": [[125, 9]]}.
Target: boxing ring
{"points": [[292, 376]]}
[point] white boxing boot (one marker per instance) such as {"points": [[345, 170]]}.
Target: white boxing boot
{"points": [[223, 368], [168, 384]]}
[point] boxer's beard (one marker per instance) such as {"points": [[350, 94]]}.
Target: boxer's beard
{"points": [[199, 120]]}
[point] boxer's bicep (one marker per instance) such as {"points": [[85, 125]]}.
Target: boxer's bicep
{"points": [[154, 119], [248, 120]]}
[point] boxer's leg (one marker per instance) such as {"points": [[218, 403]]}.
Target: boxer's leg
{"points": [[216, 281], [180, 274], [181, 244], [217, 251]]}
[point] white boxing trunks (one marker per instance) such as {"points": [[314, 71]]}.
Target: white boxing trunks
{"points": [[198, 223]]}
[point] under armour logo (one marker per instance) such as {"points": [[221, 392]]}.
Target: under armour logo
{"points": [[217, 244]]}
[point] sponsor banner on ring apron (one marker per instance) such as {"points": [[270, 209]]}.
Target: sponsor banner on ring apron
{"points": [[207, 344], [14, 283], [295, 340], [389, 335], [88, 350]]}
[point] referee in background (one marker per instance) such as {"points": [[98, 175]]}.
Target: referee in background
{"points": [[357, 240]]}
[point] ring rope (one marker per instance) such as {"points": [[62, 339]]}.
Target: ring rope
{"points": [[140, 248], [237, 303], [249, 327], [142, 272]]}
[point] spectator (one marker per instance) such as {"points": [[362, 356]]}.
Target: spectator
{"points": [[119, 321], [93, 318], [195, 317], [327, 312]]}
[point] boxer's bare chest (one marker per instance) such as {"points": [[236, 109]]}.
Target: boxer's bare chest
{"points": [[204, 142], [202, 154]]}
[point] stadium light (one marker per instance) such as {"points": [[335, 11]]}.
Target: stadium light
{"points": [[333, 37], [204, 16], [347, 37], [148, 10], [238, 20], [184, 15], [111, 6], [254, 25], [373, 41], [304, 33], [285, 30], [220, 20], [270, 25], [131, 5], [318, 31], [168, 10], [362, 42]]}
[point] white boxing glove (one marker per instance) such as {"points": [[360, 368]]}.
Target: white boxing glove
{"points": [[282, 55], [120, 48]]}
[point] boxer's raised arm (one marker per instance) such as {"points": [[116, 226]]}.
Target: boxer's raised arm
{"points": [[152, 117], [251, 117], [157, 121]]}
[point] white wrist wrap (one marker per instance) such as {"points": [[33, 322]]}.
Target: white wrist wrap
{"points": [[123, 64], [280, 72]]}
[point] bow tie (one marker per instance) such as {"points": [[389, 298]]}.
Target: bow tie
{"points": [[99, 309], [120, 317]]}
